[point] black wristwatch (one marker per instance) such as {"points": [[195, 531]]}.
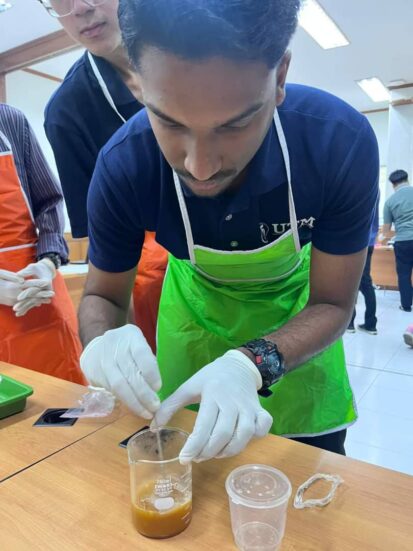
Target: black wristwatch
{"points": [[54, 257], [269, 362]]}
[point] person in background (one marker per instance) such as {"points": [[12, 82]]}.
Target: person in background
{"points": [[366, 286], [98, 95], [264, 195], [38, 328], [398, 210]]}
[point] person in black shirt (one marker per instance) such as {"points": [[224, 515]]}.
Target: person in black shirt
{"points": [[98, 95]]}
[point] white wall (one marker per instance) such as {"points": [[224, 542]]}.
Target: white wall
{"points": [[400, 151], [30, 94], [380, 124]]}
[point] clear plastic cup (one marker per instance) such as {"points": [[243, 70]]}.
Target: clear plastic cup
{"points": [[161, 488], [258, 500]]}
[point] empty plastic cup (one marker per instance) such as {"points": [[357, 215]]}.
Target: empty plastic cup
{"points": [[258, 500]]}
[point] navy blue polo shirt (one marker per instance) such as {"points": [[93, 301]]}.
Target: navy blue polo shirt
{"points": [[334, 163], [78, 123]]}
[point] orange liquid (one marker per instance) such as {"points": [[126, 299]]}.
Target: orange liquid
{"points": [[154, 523]]}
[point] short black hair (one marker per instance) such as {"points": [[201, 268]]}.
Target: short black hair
{"points": [[398, 177], [241, 30]]}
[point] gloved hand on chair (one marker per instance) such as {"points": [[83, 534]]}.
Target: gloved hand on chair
{"points": [[230, 414], [121, 361]]}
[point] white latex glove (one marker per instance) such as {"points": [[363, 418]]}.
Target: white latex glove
{"points": [[39, 289], [121, 361], [230, 413], [11, 285], [22, 307], [39, 274]]}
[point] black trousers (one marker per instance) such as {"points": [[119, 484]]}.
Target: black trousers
{"points": [[404, 265], [333, 442], [367, 290]]}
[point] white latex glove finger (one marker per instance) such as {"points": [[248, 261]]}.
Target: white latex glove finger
{"points": [[35, 292], [147, 364], [43, 269], [222, 433], [28, 305], [263, 422], [37, 284], [9, 292], [121, 388], [121, 361], [244, 432], [204, 426], [6, 275], [232, 373], [134, 373], [182, 397]]}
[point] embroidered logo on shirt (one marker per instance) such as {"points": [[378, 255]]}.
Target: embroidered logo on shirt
{"points": [[275, 230]]}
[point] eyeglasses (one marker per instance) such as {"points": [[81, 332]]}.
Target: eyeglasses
{"points": [[63, 8]]}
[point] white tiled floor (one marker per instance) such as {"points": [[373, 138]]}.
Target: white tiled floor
{"points": [[381, 373]]}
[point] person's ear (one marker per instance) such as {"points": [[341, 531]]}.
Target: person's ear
{"points": [[282, 71]]}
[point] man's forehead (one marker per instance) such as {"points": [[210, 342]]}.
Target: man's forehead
{"points": [[217, 87]]}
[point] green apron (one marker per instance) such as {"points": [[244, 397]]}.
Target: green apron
{"points": [[218, 300]]}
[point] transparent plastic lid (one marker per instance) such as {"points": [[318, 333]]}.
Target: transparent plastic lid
{"points": [[258, 486]]}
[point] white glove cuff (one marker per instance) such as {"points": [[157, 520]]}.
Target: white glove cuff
{"points": [[47, 262], [246, 364], [89, 347]]}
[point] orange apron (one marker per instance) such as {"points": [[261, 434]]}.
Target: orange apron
{"points": [[148, 287], [46, 338]]}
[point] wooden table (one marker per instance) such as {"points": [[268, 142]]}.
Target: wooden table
{"points": [[78, 499], [21, 444]]}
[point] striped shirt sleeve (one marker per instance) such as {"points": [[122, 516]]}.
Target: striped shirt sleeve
{"points": [[38, 182]]}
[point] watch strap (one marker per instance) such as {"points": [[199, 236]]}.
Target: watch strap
{"points": [[269, 362], [54, 257]]}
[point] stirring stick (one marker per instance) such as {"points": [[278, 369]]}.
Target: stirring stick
{"points": [[157, 431]]}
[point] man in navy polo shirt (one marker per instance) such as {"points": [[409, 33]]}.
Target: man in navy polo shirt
{"points": [[98, 95], [264, 196]]}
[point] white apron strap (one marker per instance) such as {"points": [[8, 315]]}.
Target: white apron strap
{"points": [[286, 157], [291, 205], [103, 86], [185, 218]]}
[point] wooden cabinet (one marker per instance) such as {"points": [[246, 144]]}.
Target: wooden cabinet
{"points": [[383, 268], [77, 247]]}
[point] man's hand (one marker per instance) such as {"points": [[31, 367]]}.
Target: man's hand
{"points": [[121, 361], [230, 413], [11, 285]]}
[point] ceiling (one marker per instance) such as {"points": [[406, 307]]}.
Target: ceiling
{"points": [[378, 30]]}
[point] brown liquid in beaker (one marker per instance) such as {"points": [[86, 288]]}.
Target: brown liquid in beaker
{"points": [[155, 523]]}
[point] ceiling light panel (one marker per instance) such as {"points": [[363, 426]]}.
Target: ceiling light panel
{"points": [[315, 21], [375, 89]]}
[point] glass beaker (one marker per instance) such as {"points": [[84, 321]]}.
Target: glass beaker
{"points": [[161, 488], [258, 499]]}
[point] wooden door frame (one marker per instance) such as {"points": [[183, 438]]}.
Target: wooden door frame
{"points": [[32, 52]]}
